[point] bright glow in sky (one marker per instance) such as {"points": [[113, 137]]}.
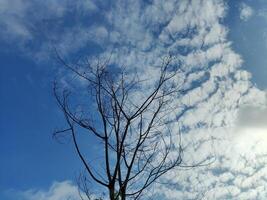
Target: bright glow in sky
{"points": [[251, 141]]}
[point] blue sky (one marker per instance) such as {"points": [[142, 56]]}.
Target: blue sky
{"points": [[233, 53], [28, 117], [249, 38]]}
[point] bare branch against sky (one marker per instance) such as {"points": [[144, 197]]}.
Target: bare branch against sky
{"points": [[133, 119]]}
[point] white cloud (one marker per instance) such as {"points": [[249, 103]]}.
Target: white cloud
{"points": [[42, 24], [214, 84], [57, 191], [252, 116], [245, 11], [64, 190]]}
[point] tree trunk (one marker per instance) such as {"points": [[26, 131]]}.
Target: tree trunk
{"points": [[112, 193], [123, 195]]}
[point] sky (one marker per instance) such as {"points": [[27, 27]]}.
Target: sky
{"points": [[222, 46]]}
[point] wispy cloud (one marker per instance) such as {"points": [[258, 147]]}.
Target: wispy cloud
{"points": [[57, 191], [245, 11], [35, 26], [66, 190]]}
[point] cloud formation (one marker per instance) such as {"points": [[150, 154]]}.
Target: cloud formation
{"points": [[245, 11], [255, 117], [36, 26], [214, 88], [57, 191]]}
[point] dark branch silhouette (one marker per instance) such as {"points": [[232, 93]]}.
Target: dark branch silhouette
{"points": [[134, 133]]}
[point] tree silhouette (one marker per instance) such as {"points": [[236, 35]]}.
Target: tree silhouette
{"points": [[131, 124]]}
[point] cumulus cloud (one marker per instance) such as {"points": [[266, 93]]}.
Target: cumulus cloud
{"points": [[214, 88], [250, 116], [245, 11], [65, 190], [214, 85], [57, 191]]}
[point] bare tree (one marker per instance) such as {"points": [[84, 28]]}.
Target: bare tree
{"points": [[132, 125]]}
